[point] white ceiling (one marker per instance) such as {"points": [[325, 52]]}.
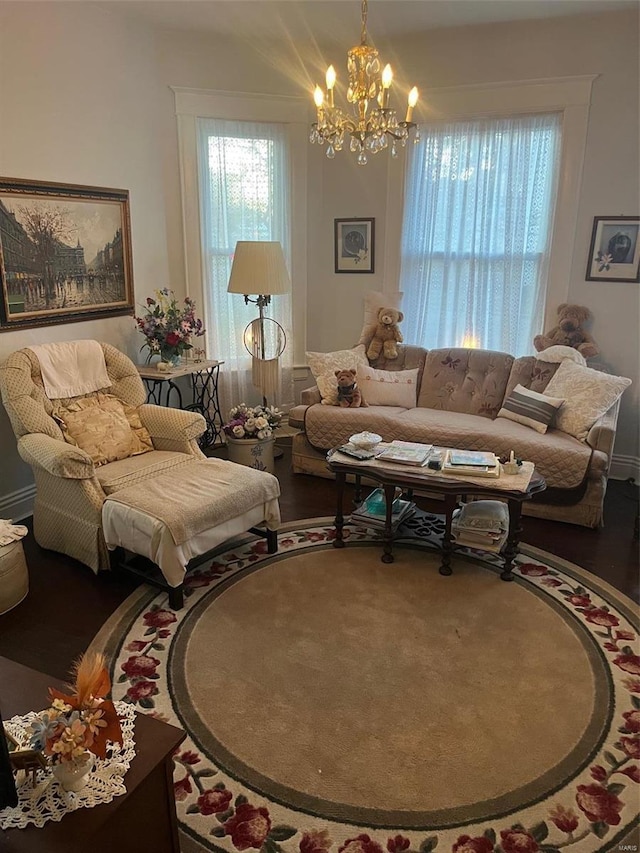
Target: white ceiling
{"points": [[295, 19]]}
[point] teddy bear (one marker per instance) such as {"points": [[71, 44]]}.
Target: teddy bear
{"points": [[349, 396], [386, 334], [569, 331]]}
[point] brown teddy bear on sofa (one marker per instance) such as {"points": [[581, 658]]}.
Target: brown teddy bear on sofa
{"points": [[569, 331], [349, 396], [386, 334]]}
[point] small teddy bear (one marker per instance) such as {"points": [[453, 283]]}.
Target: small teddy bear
{"points": [[349, 396], [569, 331], [386, 334]]}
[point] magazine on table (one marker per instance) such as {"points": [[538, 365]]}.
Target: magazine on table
{"points": [[373, 510], [406, 453], [473, 458], [473, 470]]}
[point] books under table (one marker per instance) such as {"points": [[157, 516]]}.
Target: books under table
{"points": [[472, 463], [406, 453], [372, 512], [483, 525]]}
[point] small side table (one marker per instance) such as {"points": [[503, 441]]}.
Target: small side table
{"points": [[203, 376]]}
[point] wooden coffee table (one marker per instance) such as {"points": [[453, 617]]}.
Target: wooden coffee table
{"points": [[453, 488]]}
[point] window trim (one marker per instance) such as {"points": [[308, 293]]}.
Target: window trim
{"points": [[570, 96], [191, 104]]}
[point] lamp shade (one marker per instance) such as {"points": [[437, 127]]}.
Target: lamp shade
{"points": [[258, 267]]}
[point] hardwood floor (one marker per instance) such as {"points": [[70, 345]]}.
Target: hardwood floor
{"points": [[67, 603]]}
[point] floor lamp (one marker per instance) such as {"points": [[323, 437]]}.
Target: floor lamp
{"points": [[259, 268]]}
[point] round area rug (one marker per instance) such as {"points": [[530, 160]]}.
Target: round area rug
{"points": [[336, 703]]}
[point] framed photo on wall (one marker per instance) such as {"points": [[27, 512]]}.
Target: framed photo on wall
{"points": [[614, 254], [65, 253], [354, 245]]}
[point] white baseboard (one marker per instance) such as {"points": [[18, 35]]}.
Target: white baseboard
{"points": [[625, 467], [19, 504]]}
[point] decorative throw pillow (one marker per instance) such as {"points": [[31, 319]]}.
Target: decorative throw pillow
{"points": [[388, 387], [530, 408], [588, 395], [374, 300], [323, 366], [99, 426]]}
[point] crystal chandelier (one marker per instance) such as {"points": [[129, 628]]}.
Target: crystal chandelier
{"points": [[373, 125]]}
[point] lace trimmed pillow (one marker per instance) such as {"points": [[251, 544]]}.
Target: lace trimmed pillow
{"points": [[323, 366], [104, 427], [588, 395], [530, 408], [388, 387]]}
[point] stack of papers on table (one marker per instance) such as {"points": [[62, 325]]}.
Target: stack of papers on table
{"points": [[406, 453], [481, 524], [478, 463], [372, 512]]}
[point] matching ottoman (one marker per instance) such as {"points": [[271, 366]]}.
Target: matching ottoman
{"points": [[14, 577], [181, 515]]}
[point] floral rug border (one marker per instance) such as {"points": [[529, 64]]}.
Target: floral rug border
{"points": [[590, 813]]}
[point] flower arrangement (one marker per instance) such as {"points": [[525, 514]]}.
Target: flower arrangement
{"points": [[252, 421], [167, 327], [81, 722]]}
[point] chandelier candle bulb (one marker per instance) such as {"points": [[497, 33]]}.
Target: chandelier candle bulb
{"points": [[411, 102], [318, 97], [331, 82], [387, 77]]}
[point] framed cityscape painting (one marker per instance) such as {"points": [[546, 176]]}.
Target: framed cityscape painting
{"points": [[65, 253], [614, 254]]}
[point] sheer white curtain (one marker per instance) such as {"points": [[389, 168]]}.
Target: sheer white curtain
{"points": [[244, 195], [478, 217]]}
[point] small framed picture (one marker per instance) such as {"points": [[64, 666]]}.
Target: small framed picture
{"points": [[354, 245], [614, 254]]}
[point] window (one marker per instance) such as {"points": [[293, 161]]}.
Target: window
{"points": [[476, 236], [244, 195]]}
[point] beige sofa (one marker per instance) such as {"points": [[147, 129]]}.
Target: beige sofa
{"points": [[460, 392]]}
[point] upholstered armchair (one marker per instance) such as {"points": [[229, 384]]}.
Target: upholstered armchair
{"points": [[70, 489]]}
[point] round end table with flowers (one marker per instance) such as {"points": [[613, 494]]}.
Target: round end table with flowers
{"points": [[249, 436]]}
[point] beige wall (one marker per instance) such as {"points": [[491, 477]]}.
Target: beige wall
{"points": [[85, 98], [78, 105]]}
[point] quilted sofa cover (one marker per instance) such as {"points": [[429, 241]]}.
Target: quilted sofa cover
{"points": [[460, 394]]}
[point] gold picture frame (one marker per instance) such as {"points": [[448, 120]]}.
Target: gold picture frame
{"points": [[65, 253]]}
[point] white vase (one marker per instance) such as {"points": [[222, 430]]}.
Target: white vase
{"points": [[252, 452], [72, 775]]}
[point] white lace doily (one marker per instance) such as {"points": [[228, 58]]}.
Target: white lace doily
{"points": [[47, 800]]}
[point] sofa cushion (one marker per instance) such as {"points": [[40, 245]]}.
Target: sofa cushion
{"points": [[465, 380], [327, 427], [589, 394], [323, 366], [561, 459], [531, 373], [530, 409], [388, 387]]}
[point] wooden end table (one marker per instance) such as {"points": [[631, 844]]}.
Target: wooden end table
{"points": [[389, 476], [142, 819]]}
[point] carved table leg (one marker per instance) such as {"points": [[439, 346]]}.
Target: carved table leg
{"points": [[450, 503], [513, 540], [339, 519]]}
